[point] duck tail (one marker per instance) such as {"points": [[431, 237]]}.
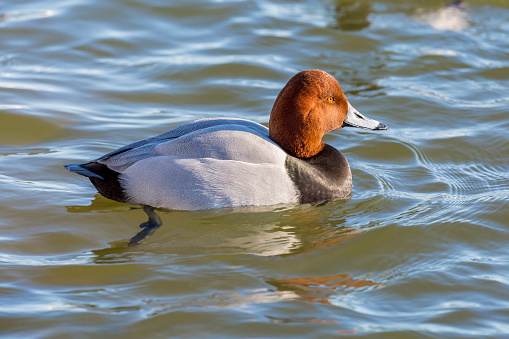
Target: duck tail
{"points": [[79, 168]]}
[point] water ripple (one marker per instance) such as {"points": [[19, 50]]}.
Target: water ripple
{"points": [[418, 249]]}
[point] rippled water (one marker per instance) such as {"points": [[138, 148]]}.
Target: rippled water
{"points": [[420, 248]]}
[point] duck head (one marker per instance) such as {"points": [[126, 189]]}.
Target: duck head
{"points": [[310, 105]]}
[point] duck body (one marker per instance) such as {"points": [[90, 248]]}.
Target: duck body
{"points": [[228, 162], [216, 163]]}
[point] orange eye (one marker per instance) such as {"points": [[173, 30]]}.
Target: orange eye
{"points": [[330, 99]]}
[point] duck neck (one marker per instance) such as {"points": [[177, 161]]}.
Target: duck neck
{"points": [[298, 142]]}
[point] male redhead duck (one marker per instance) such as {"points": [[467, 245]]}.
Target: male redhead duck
{"points": [[222, 162]]}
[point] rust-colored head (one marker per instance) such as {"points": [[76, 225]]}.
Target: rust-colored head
{"points": [[310, 105]]}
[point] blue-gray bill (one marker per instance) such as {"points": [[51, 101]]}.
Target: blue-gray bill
{"points": [[356, 119]]}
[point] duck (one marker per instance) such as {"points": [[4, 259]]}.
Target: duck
{"points": [[231, 162]]}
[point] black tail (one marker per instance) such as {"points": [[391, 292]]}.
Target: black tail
{"points": [[104, 179], [81, 169]]}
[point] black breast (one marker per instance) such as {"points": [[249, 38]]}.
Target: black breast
{"points": [[109, 187], [323, 177]]}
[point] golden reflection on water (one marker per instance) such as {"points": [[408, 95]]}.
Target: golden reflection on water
{"points": [[319, 289]]}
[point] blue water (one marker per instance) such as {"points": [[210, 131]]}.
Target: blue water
{"points": [[418, 250]]}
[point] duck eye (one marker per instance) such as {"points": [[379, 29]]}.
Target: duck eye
{"points": [[330, 99]]}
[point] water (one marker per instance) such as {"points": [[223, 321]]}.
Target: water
{"points": [[419, 250]]}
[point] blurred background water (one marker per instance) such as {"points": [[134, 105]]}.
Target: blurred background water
{"points": [[419, 249]]}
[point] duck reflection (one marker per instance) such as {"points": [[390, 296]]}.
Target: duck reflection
{"points": [[453, 17], [280, 231], [319, 289], [283, 231], [308, 289], [25, 15], [351, 15], [147, 228]]}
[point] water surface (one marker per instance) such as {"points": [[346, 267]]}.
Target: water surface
{"points": [[419, 249]]}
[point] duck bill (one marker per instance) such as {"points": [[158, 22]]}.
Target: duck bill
{"points": [[355, 119]]}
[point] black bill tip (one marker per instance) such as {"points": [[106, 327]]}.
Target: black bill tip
{"points": [[381, 126]]}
